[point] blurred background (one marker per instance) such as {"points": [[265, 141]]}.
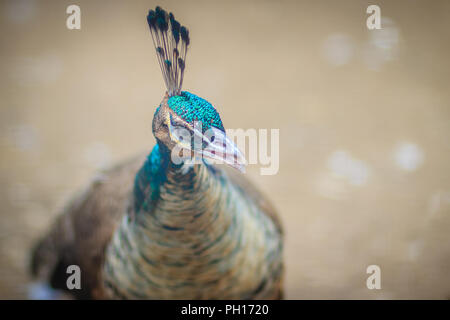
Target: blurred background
{"points": [[364, 119]]}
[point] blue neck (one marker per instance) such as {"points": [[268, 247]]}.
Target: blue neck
{"points": [[154, 174], [150, 177]]}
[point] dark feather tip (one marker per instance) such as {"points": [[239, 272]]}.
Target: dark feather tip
{"points": [[181, 63], [161, 24], [184, 32], [151, 19], [175, 30]]}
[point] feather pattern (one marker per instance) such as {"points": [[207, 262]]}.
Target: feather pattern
{"points": [[201, 237], [100, 231]]}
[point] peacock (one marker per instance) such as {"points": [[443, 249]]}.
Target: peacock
{"points": [[174, 223]]}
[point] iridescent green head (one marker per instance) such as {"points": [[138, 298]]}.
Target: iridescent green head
{"points": [[193, 108]]}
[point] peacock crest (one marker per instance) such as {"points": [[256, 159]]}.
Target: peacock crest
{"points": [[170, 51], [171, 41]]}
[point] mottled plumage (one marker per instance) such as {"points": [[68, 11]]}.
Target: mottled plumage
{"points": [[152, 228]]}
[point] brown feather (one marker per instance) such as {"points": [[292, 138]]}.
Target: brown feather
{"points": [[83, 230]]}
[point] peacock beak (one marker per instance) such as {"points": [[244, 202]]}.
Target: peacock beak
{"points": [[221, 149], [213, 145]]}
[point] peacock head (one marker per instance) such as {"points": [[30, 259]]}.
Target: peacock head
{"points": [[183, 121]]}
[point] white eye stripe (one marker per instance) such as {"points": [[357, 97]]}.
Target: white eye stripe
{"points": [[180, 135]]}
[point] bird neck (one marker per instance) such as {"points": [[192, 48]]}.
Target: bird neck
{"points": [[168, 189], [160, 183], [183, 221]]}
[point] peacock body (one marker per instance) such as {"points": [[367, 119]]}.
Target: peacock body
{"points": [[170, 229]]}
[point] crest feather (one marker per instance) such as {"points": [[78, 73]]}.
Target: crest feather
{"points": [[166, 34]]}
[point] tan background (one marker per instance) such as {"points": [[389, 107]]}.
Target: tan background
{"points": [[363, 116]]}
